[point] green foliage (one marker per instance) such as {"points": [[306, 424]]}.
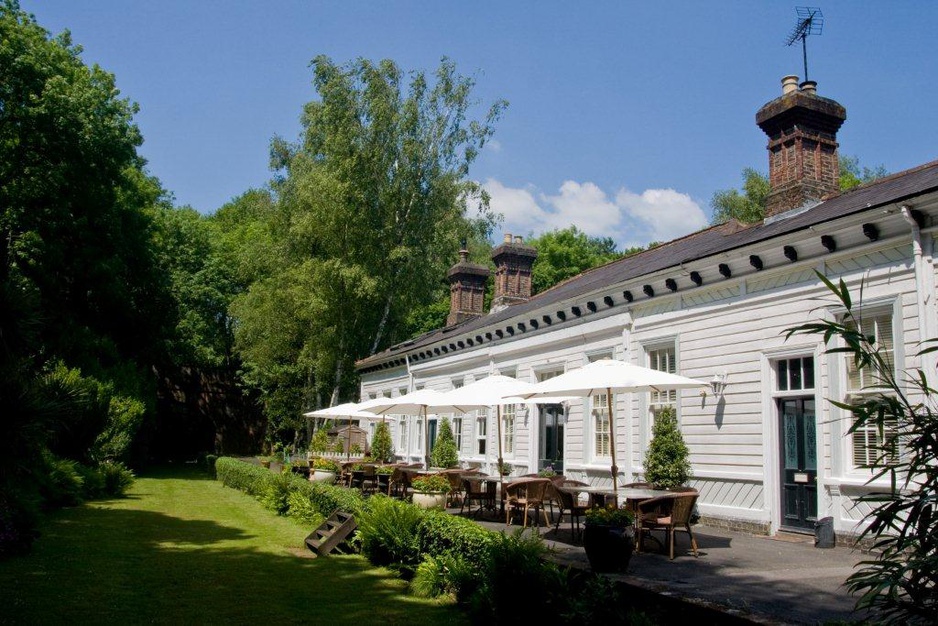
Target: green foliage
{"points": [[609, 515], [327, 465], [852, 174], [444, 574], [276, 491], [566, 252], [116, 476], [748, 207], [432, 483], [899, 583], [319, 442], [445, 453], [515, 569], [286, 493], [381, 445], [387, 533], [63, 484], [203, 284], [666, 461], [84, 303], [376, 188], [441, 533], [246, 477], [300, 507]]}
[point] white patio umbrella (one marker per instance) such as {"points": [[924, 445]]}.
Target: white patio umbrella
{"points": [[348, 410], [609, 376], [492, 391], [414, 403]]}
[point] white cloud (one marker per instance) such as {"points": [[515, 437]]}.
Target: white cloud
{"points": [[669, 214], [630, 219], [494, 145]]}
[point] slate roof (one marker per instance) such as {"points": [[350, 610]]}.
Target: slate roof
{"points": [[714, 240]]}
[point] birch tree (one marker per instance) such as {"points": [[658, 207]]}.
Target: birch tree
{"points": [[372, 201]]}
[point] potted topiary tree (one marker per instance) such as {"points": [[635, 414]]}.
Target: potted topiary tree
{"points": [[381, 447], [666, 462], [609, 538], [430, 491], [445, 454]]}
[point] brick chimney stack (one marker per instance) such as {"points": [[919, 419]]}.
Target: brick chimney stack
{"points": [[802, 129], [466, 289], [513, 261]]}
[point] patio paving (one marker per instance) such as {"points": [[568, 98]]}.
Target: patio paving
{"points": [[770, 580]]}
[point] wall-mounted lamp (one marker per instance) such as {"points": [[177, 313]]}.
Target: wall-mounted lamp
{"points": [[718, 384]]}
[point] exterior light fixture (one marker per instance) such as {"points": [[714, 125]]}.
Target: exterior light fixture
{"points": [[718, 384]]}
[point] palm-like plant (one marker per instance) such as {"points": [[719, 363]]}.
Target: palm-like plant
{"points": [[901, 582]]}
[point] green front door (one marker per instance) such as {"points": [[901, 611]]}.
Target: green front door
{"points": [[798, 436]]}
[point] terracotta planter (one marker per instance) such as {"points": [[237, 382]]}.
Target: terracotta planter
{"points": [[321, 476], [430, 499], [609, 548]]}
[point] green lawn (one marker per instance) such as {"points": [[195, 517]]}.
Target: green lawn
{"points": [[183, 549]]}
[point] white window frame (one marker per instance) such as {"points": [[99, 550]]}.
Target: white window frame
{"points": [[481, 433], [870, 435], [597, 407], [509, 422], [402, 441], [656, 356]]}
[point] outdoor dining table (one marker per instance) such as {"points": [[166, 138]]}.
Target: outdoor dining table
{"points": [[600, 495]]}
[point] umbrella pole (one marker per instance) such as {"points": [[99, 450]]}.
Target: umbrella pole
{"points": [[498, 428], [348, 440], [426, 439], [612, 444]]}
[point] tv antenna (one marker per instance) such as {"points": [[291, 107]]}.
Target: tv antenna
{"points": [[810, 22]]}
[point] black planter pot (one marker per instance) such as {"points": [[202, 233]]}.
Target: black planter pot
{"points": [[609, 548]]}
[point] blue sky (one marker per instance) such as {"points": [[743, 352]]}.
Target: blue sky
{"points": [[624, 116]]}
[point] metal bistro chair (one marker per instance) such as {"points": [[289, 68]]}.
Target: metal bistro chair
{"points": [[668, 513], [526, 495]]}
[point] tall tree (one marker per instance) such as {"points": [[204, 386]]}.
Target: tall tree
{"points": [[81, 287], [749, 206], [75, 203], [566, 252], [370, 206]]}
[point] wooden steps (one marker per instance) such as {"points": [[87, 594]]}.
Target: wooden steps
{"points": [[331, 533]]}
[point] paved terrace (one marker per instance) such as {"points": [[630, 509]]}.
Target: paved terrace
{"points": [[770, 580]]}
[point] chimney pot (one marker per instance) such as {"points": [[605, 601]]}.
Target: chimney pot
{"points": [[518, 239], [809, 87], [789, 84], [507, 238]]}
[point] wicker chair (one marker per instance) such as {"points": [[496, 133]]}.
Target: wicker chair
{"points": [[526, 495], [400, 482], [456, 494], [567, 503], [668, 513], [369, 478], [480, 492]]}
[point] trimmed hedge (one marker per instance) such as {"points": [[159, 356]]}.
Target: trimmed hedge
{"points": [[287, 493], [441, 533]]}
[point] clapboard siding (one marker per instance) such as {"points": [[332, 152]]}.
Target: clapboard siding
{"points": [[734, 326]]}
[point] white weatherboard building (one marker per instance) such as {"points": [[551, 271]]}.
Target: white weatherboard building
{"points": [[770, 452]]}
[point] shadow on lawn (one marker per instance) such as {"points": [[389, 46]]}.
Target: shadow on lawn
{"points": [[104, 565]]}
